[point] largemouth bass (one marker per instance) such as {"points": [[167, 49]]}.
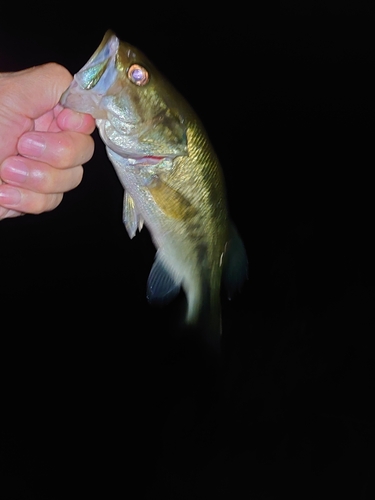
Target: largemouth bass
{"points": [[172, 179]]}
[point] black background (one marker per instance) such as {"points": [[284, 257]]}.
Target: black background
{"points": [[100, 393]]}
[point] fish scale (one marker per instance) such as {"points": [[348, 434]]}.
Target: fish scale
{"points": [[171, 176]]}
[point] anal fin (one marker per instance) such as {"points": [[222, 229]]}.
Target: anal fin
{"points": [[162, 287]]}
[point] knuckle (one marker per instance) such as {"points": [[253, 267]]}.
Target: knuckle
{"points": [[73, 149], [46, 203], [78, 175], [64, 150]]}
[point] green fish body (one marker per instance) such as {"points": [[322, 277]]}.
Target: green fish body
{"points": [[172, 179]]}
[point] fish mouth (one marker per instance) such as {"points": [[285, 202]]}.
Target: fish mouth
{"points": [[98, 72], [98, 75]]}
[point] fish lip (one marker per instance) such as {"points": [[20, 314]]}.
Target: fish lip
{"points": [[108, 48], [106, 52], [104, 56]]}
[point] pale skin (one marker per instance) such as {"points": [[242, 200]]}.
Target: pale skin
{"points": [[42, 145]]}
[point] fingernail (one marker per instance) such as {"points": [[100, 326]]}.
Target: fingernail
{"points": [[9, 195], [14, 170], [72, 121], [31, 144]]}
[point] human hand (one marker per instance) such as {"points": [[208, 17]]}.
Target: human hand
{"points": [[42, 145]]}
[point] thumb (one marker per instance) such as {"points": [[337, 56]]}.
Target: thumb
{"points": [[37, 90]]}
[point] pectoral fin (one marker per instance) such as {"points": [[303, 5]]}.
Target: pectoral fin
{"points": [[132, 219], [162, 287], [170, 201]]}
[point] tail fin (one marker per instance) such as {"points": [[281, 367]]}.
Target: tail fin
{"points": [[203, 317], [204, 308], [235, 264]]}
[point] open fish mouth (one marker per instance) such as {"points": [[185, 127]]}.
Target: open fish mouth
{"points": [[99, 73]]}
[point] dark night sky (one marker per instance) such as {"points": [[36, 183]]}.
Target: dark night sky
{"points": [[94, 378]]}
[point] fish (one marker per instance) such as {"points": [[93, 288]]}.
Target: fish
{"points": [[172, 178]]}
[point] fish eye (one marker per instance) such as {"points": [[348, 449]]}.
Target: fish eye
{"points": [[138, 75]]}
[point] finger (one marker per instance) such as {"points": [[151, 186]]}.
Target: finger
{"points": [[60, 149], [26, 201], [38, 176], [5, 213], [68, 119]]}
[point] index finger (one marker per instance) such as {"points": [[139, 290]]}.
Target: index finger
{"points": [[68, 119]]}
